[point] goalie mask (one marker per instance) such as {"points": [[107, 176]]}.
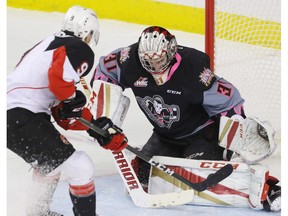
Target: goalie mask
{"points": [[157, 48], [83, 23]]}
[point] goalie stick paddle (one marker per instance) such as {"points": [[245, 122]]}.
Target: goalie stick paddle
{"points": [[140, 197], [210, 181]]}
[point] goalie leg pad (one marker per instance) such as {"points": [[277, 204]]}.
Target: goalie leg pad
{"points": [[246, 187], [258, 189], [232, 191], [264, 193]]}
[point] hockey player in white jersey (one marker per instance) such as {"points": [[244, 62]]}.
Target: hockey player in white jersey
{"points": [[45, 78]]}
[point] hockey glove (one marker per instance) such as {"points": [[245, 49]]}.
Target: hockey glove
{"points": [[72, 108], [116, 141]]}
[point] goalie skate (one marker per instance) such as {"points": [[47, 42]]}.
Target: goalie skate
{"points": [[273, 201]]}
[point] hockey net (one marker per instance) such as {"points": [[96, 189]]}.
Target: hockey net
{"points": [[243, 40]]}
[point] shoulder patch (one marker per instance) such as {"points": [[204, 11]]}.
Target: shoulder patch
{"points": [[224, 89], [124, 54], [206, 76]]}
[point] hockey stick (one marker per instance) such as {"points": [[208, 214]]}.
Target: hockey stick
{"points": [[139, 197], [210, 181]]}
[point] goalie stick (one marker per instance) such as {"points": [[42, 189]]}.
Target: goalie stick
{"points": [[210, 181], [139, 197]]}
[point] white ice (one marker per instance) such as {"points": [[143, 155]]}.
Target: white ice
{"points": [[24, 29]]}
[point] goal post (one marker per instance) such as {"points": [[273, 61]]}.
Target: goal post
{"points": [[209, 30], [243, 40]]}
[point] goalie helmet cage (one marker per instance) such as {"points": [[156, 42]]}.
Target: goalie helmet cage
{"points": [[243, 40]]}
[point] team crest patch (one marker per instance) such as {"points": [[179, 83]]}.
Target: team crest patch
{"points": [[164, 115], [64, 140], [206, 76], [124, 54], [141, 82]]}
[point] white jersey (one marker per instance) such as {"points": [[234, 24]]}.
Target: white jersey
{"points": [[47, 73]]}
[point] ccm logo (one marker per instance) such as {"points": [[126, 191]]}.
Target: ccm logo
{"points": [[216, 165], [173, 92], [241, 131]]}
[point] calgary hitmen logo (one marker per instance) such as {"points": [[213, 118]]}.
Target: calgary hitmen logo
{"points": [[162, 114]]}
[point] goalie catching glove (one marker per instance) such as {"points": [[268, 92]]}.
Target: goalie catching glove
{"points": [[251, 138], [116, 141]]}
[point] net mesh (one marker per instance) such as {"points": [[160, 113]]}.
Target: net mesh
{"points": [[248, 52]]}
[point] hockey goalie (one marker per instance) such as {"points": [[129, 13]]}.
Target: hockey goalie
{"points": [[184, 101]]}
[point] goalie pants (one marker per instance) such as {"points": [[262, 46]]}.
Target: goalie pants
{"points": [[201, 145], [34, 138]]}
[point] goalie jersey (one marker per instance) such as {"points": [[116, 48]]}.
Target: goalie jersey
{"points": [[188, 101]]}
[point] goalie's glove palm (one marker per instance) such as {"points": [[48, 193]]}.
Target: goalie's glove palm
{"points": [[116, 141]]}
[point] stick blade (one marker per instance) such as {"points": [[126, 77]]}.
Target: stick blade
{"points": [[164, 200], [215, 178]]}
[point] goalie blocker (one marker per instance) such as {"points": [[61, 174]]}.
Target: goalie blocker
{"points": [[248, 186]]}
